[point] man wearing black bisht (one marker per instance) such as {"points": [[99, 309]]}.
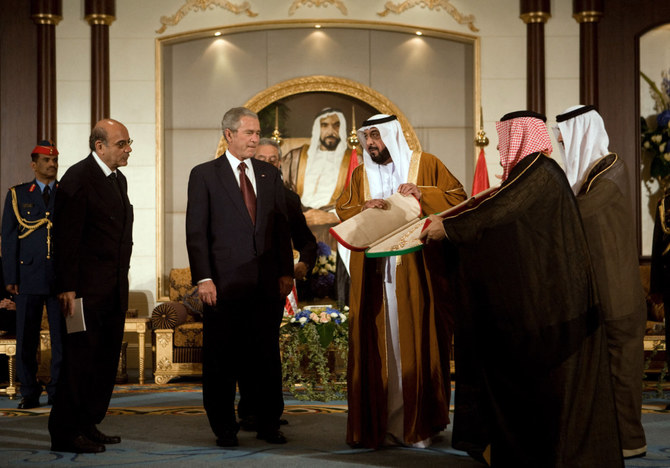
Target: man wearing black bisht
{"points": [[532, 372], [599, 180]]}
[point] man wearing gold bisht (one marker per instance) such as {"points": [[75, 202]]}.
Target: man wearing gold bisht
{"points": [[400, 325]]}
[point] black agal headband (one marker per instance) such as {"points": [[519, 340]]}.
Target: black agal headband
{"points": [[574, 113], [381, 120], [524, 113]]}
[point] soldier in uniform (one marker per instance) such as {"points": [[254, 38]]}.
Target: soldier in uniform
{"points": [[29, 272]]}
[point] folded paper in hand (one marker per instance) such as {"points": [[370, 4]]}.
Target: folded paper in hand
{"points": [[397, 230], [76, 322], [380, 232]]}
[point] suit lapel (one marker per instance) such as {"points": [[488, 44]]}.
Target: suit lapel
{"points": [[226, 175], [102, 186], [127, 207], [264, 193], [123, 183]]}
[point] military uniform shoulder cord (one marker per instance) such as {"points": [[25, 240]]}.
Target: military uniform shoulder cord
{"points": [[31, 226]]}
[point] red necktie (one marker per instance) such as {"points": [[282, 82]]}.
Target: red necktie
{"points": [[247, 192]]}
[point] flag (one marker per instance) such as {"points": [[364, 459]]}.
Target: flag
{"points": [[353, 162], [291, 306], [481, 179]]}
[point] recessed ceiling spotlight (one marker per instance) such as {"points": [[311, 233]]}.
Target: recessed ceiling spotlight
{"points": [[419, 33], [218, 33], [317, 26]]}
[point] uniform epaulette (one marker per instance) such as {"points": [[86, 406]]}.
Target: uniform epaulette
{"points": [[30, 226]]}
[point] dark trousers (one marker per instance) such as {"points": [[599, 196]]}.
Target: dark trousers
{"points": [[241, 345], [624, 341], [343, 281], [88, 374], [28, 324]]}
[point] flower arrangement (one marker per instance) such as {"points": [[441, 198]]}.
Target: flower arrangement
{"points": [[656, 134], [313, 342], [323, 273]]}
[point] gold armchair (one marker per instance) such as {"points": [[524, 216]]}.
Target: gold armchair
{"points": [[177, 330], [8, 348], [655, 347]]}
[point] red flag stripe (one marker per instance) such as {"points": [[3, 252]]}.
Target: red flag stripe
{"points": [[481, 179], [353, 163]]}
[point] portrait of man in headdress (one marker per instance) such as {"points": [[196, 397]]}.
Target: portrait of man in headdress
{"points": [[318, 171]]}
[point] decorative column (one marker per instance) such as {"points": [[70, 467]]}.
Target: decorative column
{"points": [[99, 14], [535, 13], [46, 14], [588, 13]]}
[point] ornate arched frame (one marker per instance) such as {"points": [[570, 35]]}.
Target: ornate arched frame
{"points": [[332, 84], [290, 87]]}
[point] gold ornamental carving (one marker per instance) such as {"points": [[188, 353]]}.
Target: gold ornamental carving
{"points": [[202, 5], [164, 341], [317, 3], [164, 364], [8, 348], [437, 5], [163, 379]]}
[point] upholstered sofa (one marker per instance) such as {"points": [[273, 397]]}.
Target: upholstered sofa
{"points": [[177, 330]]}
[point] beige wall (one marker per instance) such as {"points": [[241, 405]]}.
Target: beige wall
{"points": [[133, 81]]}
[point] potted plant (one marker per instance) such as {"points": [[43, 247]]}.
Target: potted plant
{"points": [[314, 344]]}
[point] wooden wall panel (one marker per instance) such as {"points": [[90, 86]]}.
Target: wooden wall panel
{"points": [[18, 93], [619, 83]]}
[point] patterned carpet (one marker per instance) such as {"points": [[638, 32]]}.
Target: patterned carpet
{"points": [[166, 426], [656, 400], [152, 399]]}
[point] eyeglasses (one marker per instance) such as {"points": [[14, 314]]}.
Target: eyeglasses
{"points": [[123, 143]]}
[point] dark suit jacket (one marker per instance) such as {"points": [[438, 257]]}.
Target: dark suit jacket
{"points": [[25, 260], [303, 239], [93, 236], [223, 244]]}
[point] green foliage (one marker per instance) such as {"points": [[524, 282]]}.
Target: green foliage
{"points": [[655, 132], [311, 352], [277, 112]]}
